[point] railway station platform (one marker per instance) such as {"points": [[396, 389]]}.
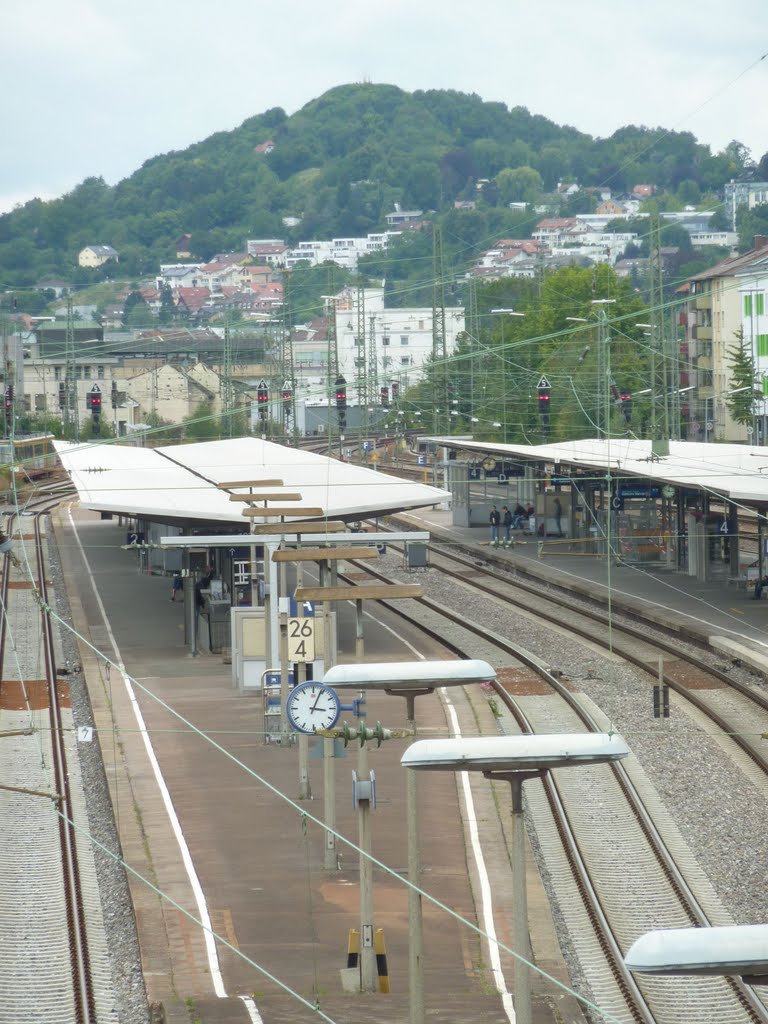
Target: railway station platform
{"points": [[258, 854], [718, 608]]}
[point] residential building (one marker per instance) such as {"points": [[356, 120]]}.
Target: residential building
{"points": [[96, 255], [400, 218], [744, 193], [753, 292], [714, 316]]}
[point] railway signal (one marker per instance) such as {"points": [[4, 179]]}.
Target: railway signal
{"points": [[544, 402], [395, 391], [625, 399], [9, 406], [384, 394], [262, 399], [95, 402], [341, 401]]}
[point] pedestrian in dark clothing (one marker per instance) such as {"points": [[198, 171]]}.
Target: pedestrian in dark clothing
{"points": [[176, 586], [494, 519], [519, 516], [202, 584], [506, 519], [558, 517]]}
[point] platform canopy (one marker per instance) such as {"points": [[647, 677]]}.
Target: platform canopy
{"points": [[735, 471], [179, 483]]}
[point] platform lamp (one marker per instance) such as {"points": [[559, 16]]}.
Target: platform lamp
{"points": [[409, 679], [734, 950], [515, 759]]}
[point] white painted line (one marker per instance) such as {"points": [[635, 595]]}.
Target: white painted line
{"points": [[486, 898]]}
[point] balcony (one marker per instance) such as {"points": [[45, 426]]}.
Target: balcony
{"points": [[703, 301], [704, 333]]}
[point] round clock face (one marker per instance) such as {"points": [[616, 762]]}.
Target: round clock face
{"points": [[489, 463], [668, 491], [312, 706]]}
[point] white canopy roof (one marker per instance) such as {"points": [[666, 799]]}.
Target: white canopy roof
{"points": [[179, 482], [737, 471]]}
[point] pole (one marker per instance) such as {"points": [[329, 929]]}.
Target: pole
{"points": [[368, 972], [330, 860], [415, 923], [521, 940]]}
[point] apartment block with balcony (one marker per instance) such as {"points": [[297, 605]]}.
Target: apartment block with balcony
{"points": [[714, 317]]}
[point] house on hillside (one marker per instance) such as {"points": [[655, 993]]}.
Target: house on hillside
{"points": [[264, 148], [183, 250], [96, 255]]}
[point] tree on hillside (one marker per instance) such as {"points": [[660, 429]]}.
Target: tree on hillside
{"points": [[136, 312], [519, 185]]}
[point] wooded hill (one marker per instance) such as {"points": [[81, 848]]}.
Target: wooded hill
{"points": [[339, 165]]}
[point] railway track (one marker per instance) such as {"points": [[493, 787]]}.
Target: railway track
{"points": [[615, 874], [54, 960]]}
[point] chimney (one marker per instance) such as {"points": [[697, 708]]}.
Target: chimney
{"points": [[760, 241]]}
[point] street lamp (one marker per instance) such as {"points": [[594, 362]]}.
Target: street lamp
{"points": [[408, 679], [515, 759], [732, 950]]}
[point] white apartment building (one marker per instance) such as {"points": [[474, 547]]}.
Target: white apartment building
{"points": [[343, 251], [400, 339]]}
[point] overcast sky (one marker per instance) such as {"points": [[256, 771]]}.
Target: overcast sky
{"points": [[95, 88]]}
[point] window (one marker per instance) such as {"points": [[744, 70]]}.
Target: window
{"points": [[40, 403], [27, 403], [747, 305], [403, 339], [385, 340], [57, 373], [762, 344], [405, 360], [86, 372], [759, 303], [100, 372], [421, 325], [386, 361]]}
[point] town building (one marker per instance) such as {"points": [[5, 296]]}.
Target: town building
{"points": [[713, 318], [96, 255], [744, 193]]}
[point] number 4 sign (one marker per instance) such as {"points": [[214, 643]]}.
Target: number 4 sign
{"points": [[301, 640]]}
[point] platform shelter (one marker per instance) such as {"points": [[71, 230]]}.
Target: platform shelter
{"points": [[693, 507]]}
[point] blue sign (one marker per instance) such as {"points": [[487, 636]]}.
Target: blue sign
{"points": [[422, 460], [649, 491], [304, 611], [367, 446], [273, 679], [239, 554], [134, 538]]}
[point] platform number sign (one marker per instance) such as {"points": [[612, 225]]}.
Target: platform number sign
{"points": [[301, 640]]}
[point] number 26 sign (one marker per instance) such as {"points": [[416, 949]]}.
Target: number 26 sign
{"points": [[301, 640]]}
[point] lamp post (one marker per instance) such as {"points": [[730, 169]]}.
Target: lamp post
{"points": [[410, 679], [515, 759], [731, 950]]}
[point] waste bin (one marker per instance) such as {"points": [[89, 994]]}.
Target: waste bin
{"points": [[218, 624]]}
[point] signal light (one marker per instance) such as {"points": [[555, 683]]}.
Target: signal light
{"points": [[395, 389], [95, 412], [62, 399], [9, 405], [625, 398], [544, 406], [384, 393], [341, 401]]}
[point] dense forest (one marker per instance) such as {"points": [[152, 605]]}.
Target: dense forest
{"points": [[338, 166]]}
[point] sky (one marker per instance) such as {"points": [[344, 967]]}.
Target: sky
{"points": [[96, 88]]}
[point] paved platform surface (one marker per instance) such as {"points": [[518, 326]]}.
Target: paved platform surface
{"points": [[259, 857], [714, 608]]}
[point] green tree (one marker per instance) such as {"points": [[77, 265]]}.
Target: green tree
{"points": [[519, 185], [202, 425], [740, 402]]}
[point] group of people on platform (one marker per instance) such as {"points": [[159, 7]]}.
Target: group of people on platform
{"points": [[509, 521]]}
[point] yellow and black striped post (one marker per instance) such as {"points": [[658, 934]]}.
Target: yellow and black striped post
{"points": [[381, 960]]}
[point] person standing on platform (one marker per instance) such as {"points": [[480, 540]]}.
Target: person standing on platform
{"points": [[506, 520], [494, 519], [558, 516], [176, 586]]}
